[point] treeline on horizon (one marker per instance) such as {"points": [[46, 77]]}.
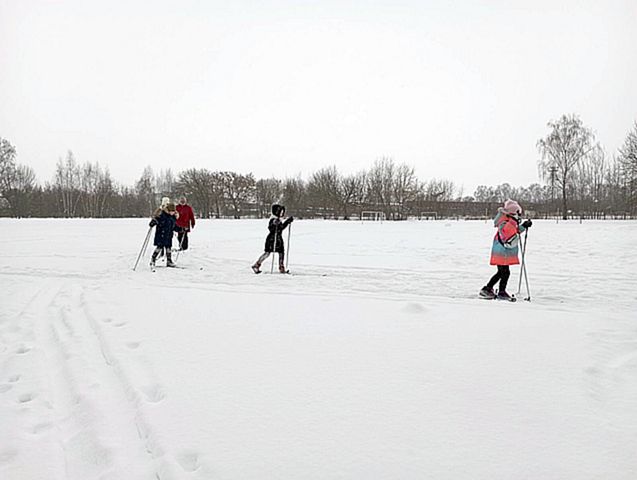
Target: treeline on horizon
{"points": [[578, 180]]}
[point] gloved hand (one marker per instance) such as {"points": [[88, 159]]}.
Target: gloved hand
{"points": [[152, 223], [291, 219], [527, 223]]}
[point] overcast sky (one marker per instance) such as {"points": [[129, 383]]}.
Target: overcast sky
{"points": [[459, 89]]}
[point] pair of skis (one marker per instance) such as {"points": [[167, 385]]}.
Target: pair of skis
{"points": [[153, 268], [510, 298], [257, 270]]}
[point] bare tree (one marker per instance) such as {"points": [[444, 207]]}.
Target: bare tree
{"points": [[380, 185], [562, 149], [294, 195], [628, 160], [97, 188], [7, 166], [616, 186], [22, 190], [588, 179], [239, 190], [352, 192], [145, 188], [268, 191], [439, 190], [68, 183], [204, 189], [405, 188], [165, 183], [323, 189], [16, 181], [534, 193], [484, 193]]}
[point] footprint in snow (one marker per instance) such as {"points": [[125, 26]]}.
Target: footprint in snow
{"points": [[154, 393], [41, 427], [189, 461], [133, 345], [120, 324], [107, 320], [414, 308], [25, 398], [5, 388], [22, 349], [14, 378]]}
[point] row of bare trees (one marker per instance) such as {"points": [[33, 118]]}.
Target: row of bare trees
{"points": [[576, 168], [579, 179], [388, 187], [88, 190]]}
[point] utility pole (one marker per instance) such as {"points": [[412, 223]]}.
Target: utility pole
{"points": [[553, 171]]}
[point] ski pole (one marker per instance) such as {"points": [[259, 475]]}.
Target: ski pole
{"points": [[526, 277], [523, 270], [287, 255], [144, 246], [180, 243], [274, 249]]}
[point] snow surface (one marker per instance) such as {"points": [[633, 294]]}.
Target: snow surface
{"points": [[375, 360]]}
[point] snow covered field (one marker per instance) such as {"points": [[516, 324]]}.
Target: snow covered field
{"points": [[375, 360]]}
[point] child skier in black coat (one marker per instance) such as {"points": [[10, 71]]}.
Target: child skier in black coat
{"points": [[164, 219], [274, 240]]}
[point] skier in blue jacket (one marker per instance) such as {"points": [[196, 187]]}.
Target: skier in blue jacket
{"points": [[164, 219]]}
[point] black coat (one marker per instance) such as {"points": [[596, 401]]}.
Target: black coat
{"points": [[166, 225], [274, 240]]}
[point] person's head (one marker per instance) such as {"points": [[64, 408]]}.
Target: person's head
{"points": [[278, 210], [170, 207], [512, 208], [164, 201], [182, 200]]}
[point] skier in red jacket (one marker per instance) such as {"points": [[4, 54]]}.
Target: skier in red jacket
{"points": [[186, 222]]}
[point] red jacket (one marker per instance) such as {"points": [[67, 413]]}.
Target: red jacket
{"points": [[186, 216]]}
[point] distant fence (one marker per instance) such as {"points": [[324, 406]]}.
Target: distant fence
{"points": [[414, 210]]}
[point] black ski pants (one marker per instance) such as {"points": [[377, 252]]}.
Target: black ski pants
{"points": [[502, 275], [162, 250]]}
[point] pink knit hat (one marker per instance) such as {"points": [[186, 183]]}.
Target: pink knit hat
{"points": [[512, 207]]}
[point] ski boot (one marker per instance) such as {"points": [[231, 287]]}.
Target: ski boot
{"points": [[487, 293], [282, 269], [169, 259], [503, 295], [153, 259], [256, 268]]}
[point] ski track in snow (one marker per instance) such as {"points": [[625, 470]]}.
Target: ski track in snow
{"points": [[77, 407], [79, 393]]}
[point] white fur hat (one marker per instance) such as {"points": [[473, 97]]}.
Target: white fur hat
{"points": [[164, 201]]}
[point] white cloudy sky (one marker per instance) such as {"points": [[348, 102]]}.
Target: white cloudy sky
{"points": [[459, 89]]}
